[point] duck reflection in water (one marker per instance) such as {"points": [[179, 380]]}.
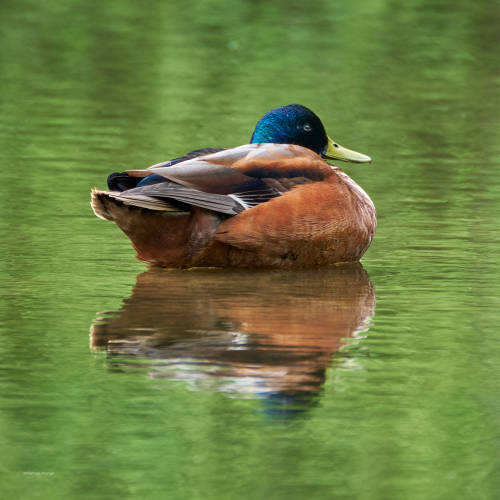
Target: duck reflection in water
{"points": [[267, 334]]}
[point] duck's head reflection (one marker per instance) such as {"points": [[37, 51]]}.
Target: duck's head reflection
{"points": [[266, 334]]}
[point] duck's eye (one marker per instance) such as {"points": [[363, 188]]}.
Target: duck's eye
{"points": [[307, 127], [335, 145]]}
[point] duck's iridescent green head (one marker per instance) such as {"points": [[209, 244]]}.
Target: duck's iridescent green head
{"points": [[296, 124]]}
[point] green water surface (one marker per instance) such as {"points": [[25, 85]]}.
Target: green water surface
{"points": [[373, 382]]}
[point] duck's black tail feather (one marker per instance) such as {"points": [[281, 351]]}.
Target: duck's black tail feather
{"points": [[121, 181]]}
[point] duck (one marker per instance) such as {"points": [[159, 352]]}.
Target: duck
{"points": [[273, 203]]}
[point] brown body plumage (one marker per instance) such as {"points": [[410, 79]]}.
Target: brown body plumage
{"points": [[258, 205]]}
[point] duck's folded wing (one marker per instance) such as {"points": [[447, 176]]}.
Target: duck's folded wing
{"points": [[231, 180], [121, 181], [235, 170]]}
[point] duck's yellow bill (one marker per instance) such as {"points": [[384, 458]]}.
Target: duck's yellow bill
{"points": [[337, 152]]}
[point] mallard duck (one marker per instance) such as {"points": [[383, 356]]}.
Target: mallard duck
{"points": [[274, 202]]}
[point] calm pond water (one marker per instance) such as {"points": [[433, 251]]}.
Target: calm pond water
{"points": [[380, 381]]}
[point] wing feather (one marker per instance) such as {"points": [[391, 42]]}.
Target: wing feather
{"points": [[231, 180], [233, 170], [171, 191]]}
